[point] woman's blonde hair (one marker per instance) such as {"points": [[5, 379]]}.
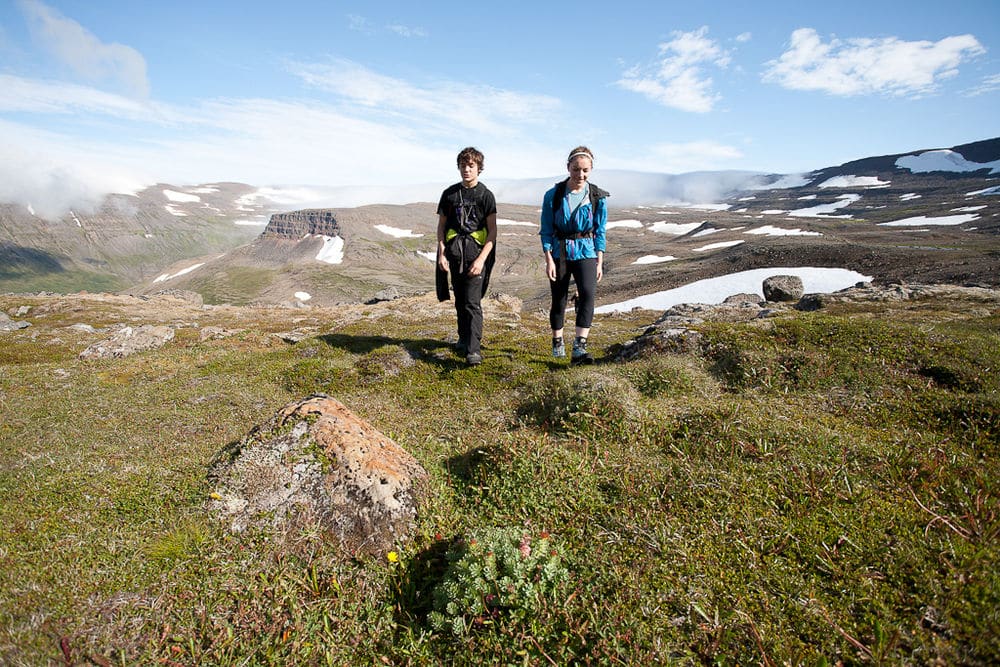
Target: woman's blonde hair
{"points": [[580, 151]]}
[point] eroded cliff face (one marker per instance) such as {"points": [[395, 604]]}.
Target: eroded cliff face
{"points": [[296, 224]]}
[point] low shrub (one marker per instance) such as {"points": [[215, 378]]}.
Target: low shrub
{"points": [[497, 575]]}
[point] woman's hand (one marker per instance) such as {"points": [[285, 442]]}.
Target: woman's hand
{"points": [[550, 267]]}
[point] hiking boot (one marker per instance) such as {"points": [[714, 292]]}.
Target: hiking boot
{"points": [[474, 359], [558, 348], [580, 355], [462, 347]]}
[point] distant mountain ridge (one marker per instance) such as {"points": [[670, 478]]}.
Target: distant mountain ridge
{"points": [[235, 243], [982, 152]]}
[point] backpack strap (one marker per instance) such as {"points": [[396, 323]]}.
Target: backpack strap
{"points": [[596, 194]]}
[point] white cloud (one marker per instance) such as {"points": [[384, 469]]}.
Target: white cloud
{"points": [[359, 24], [678, 79], [688, 156], [406, 31], [32, 96], [860, 66], [440, 104], [84, 53], [988, 85], [52, 174]]}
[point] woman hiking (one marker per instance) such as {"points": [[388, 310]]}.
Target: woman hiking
{"points": [[573, 231]]}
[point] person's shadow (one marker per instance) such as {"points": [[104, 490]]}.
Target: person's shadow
{"points": [[429, 350]]}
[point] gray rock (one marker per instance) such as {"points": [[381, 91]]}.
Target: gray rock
{"points": [[12, 325], [129, 340], [7, 324], [387, 294], [744, 299], [659, 340], [783, 288], [314, 463], [216, 333]]}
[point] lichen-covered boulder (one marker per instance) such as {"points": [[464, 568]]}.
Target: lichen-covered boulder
{"points": [[316, 464], [128, 341]]}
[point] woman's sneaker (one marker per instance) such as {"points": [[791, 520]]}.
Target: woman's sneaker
{"points": [[558, 348], [580, 355]]}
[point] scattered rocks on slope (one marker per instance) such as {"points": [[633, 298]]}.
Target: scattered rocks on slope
{"points": [[128, 341], [316, 463], [866, 293]]}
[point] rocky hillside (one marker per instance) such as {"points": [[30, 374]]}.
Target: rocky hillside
{"points": [[930, 215], [128, 240]]}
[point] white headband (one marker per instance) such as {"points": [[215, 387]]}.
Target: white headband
{"points": [[578, 154]]}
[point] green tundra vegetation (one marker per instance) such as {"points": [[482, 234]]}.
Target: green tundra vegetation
{"points": [[813, 488]]}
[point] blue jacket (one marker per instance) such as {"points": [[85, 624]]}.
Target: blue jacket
{"points": [[559, 226]]}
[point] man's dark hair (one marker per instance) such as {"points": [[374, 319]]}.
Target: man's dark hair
{"points": [[470, 154]]}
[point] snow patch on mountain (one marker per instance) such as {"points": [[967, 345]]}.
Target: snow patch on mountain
{"points": [[943, 160], [181, 197], [947, 220], [854, 182], [332, 251], [397, 232], [715, 290], [768, 230]]}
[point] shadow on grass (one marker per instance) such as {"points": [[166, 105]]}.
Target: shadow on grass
{"points": [[462, 467], [414, 585], [429, 350]]}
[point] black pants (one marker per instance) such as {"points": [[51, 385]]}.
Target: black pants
{"points": [[461, 252], [584, 273]]}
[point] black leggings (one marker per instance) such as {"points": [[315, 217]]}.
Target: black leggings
{"points": [[584, 273]]}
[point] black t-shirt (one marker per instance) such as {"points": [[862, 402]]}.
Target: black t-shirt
{"points": [[466, 209]]}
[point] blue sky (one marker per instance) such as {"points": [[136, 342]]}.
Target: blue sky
{"points": [[101, 95]]}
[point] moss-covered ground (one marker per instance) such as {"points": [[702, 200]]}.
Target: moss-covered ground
{"points": [[817, 488]]}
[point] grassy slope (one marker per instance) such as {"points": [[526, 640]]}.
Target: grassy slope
{"points": [[822, 487]]}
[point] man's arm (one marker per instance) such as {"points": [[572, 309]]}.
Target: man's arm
{"points": [[441, 259]]}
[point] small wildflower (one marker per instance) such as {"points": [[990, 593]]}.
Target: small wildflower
{"points": [[525, 546], [215, 495], [392, 557]]}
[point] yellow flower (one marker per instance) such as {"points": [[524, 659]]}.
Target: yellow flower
{"points": [[214, 495], [392, 556]]}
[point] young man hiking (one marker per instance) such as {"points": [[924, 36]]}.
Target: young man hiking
{"points": [[466, 243]]}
